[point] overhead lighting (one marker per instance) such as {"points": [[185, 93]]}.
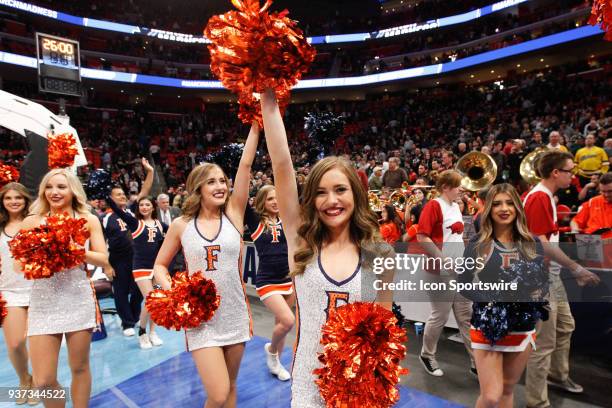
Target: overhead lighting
{"points": [[178, 96], [492, 71], [518, 65], [472, 76], [437, 82], [150, 93], [547, 65], [499, 76], [385, 89], [524, 70], [122, 91], [541, 59]]}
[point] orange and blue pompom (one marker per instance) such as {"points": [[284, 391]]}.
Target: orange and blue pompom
{"points": [[362, 351]]}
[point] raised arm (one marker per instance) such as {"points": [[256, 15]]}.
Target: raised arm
{"points": [[240, 195], [282, 166], [147, 184], [126, 217]]}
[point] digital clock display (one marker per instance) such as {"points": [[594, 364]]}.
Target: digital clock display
{"points": [[59, 65], [59, 53]]}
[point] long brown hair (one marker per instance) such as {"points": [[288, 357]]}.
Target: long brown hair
{"points": [[521, 236], [363, 230], [19, 188], [260, 205], [195, 181]]}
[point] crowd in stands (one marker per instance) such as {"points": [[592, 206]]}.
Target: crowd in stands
{"points": [[191, 61], [427, 130]]}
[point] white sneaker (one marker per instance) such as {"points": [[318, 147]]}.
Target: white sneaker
{"points": [[155, 340], [129, 332], [144, 341], [274, 365]]}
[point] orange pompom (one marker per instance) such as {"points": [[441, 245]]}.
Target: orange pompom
{"points": [[362, 351], [3, 310], [253, 49], [62, 150], [601, 14], [8, 174], [192, 300], [52, 247]]}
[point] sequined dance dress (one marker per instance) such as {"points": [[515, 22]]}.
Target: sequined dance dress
{"points": [[14, 287], [219, 259], [65, 302]]}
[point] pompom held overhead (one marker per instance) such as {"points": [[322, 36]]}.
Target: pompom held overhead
{"points": [[62, 150], [253, 49]]}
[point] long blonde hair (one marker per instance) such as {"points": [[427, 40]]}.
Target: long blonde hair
{"points": [[260, 205], [79, 198], [19, 188], [363, 229], [195, 181], [521, 235]]}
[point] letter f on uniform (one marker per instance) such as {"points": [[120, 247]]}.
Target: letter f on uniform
{"points": [[211, 257]]}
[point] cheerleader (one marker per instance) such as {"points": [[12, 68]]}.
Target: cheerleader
{"points": [[330, 242], [210, 234], [504, 239], [148, 235], [273, 283], [66, 302], [14, 288]]}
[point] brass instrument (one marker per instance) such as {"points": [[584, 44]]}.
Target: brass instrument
{"points": [[479, 171], [528, 167], [374, 201], [398, 200]]}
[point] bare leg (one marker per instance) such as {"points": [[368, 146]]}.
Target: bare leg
{"points": [[490, 376], [284, 320], [44, 351], [15, 328], [78, 358]]}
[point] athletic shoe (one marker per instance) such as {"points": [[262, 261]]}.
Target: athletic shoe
{"points": [[568, 385], [155, 340], [431, 366], [274, 364], [144, 341], [129, 332]]}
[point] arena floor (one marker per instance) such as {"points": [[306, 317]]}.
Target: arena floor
{"points": [[126, 376]]}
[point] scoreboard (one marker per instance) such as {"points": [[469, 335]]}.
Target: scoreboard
{"points": [[59, 65]]}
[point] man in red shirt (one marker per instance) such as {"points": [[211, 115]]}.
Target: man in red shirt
{"points": [[549, 362], [440, 233], [596, 214]]}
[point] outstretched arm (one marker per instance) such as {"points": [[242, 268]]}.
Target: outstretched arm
{"points": [[240, 195], [282, 166], [126, 217], [148, 182]]}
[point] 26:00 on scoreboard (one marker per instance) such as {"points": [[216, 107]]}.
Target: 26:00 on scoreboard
{"points": [[58, 65]]}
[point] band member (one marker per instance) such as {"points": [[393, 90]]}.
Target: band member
{"points": [[391, 226], [440, 233], [14, 288], [504, 239], [210, 234], [65, 303], [595, 215], [148, 235], [127, 296], [273, 283], [550, 360], [330, 239]]}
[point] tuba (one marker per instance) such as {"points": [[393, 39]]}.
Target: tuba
{"points": [[479, 171], [528, 167], [374, 201], [398, 200]]}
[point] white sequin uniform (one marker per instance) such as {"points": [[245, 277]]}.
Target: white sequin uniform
{"points": [[315, 290], [14, 286], [220, 260]]}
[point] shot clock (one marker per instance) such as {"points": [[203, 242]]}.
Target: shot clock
{"points": [[59, 65]]}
